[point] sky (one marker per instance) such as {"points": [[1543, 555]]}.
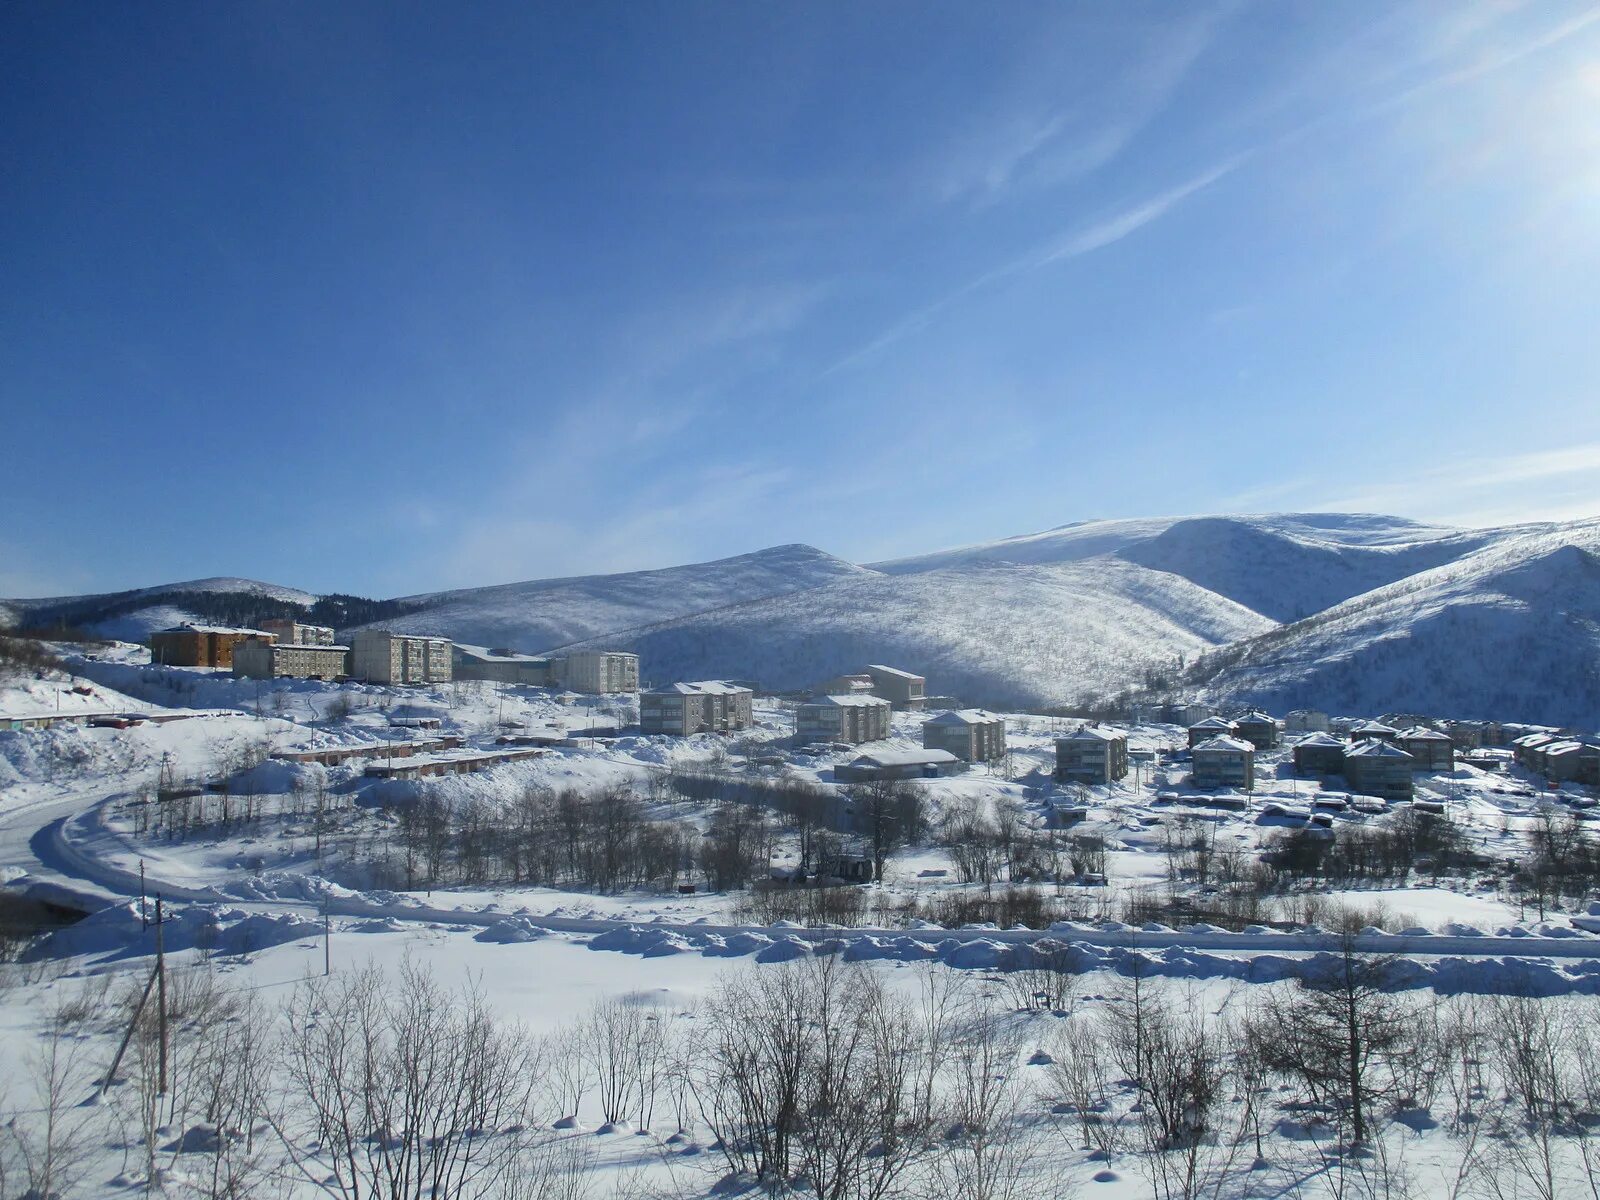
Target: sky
{"points": [[392, 297]]}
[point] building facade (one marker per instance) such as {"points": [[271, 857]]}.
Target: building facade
{"points": [[200, 645], [900, 688], [852, 719], [685, 709], [898, 764], [598, 672], [501, 666], [971, 734], [383, 656], [292, 632], [1306, 720], [845, 685], [1224, 762], [279, 660], [1431, 750], [1257, 728], [1091, 755], [1319, 754], [1378, 768], [1211, 727]]}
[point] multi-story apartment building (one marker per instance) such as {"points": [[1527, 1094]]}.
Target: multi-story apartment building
{"points": [[383, 656], [684, 709], [292, 632], [200, 645], [1091, 755], [971, 734], [280, 660], [598, 672], [851, 719]]}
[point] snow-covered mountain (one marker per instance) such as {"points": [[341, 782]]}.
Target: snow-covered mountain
{"points": [[1029, 634], [1383, 614], [547, 613], [1511, 631]]}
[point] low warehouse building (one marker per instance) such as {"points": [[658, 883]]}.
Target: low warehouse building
{"points": [[274, 660], [1375, 768], [898, 764], [685, 709], [1319, 754], [852, 719], [1091, 755], [971, 734], [1432, 750], [1224, 762], [501, 666]]}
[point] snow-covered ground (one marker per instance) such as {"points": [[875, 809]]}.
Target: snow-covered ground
{"points": [[259, 894]]}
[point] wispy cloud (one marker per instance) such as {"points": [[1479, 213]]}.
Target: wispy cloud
{"points": [[1076, 242], [1052, 124], [1540, 485]]}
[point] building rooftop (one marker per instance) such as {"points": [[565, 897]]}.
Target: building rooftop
{"points": [[847, 701], [1091, 733], [1223, 742], [1213, 723], [484, 654], [704, 687], [965, 716], [190, 627], [1374, 748], [905, 758], [1368, 728], [1420, 733], [896, 671], [1319, 739]]}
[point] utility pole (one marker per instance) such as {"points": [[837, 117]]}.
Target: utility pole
{"points": [[161, 998], [327, 937], [144, 922]]}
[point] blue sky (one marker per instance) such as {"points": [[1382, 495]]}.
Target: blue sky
{"points": [[393, 297]]}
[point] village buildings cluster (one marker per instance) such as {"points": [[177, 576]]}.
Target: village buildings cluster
{"points": [[1375, 758]]}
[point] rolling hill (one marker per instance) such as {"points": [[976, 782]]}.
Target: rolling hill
{"points": [[1511, 631], [998, 635], [1356, 613], [547, 613]]}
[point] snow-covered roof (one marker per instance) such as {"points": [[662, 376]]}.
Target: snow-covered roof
{"points": [[896, 671], [1533, 739], [1223, 742], [1560, 749], [847, 701], [703, 687], [1421, 733], [1091, 733], [1213, 723], [486, 655], [1319, 739], [189, 627], [1372, 727], [1375, 748], [1256, 717], [904, 758], [965, 716]]}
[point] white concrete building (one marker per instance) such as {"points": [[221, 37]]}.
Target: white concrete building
{"points": [[383, 656], [599, 672]]}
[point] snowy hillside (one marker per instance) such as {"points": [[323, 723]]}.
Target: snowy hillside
{"points": [[1512, 631], [546, 613], [1284, 566], [1027, 635], [1286, 569], [131, 615]]}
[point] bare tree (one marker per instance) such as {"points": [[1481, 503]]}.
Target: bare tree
{"points": [[404, 1090]]}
